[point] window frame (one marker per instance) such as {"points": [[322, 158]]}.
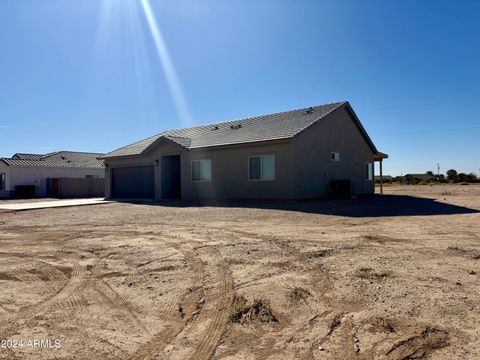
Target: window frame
{"points": [[202, 180], [335, 156], [3, 181], [261, 167], [369, 171]]}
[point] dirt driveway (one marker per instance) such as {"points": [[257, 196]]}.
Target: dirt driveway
{"points": [[392, 277]]}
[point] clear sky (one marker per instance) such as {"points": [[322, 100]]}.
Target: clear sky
{"points": [[94, 75]]}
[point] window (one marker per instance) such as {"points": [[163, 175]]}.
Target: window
{"points": [[369, 171], [335, 156], [2, 181], [202, 170], [261, 167]]}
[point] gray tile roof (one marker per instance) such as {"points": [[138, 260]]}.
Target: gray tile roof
{"points": [[22, 156], [65, 159], [276, 126]]}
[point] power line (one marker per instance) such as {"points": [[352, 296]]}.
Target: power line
{"points": [[422, 105], [429, 131]]}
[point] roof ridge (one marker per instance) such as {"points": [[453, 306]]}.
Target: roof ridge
{"points": [[178, 137], [281, 112], [50, 154], [338, 105], [256, 116], [77, 152], [200, 136], [136, 142]]}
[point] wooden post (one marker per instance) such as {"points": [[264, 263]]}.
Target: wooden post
{"points": [[381, 177]]}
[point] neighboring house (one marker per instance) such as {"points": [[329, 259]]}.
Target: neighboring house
{"points": [[289, 155], [424, 177], [384, 177], [44, 172]]}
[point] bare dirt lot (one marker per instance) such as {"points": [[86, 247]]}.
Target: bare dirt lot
{"points": [[383, 277]]}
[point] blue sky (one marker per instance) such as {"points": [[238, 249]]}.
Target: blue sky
{"points": [[87, 75]]}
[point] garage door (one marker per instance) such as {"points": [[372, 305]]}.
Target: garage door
{"points": [[133, 182]]}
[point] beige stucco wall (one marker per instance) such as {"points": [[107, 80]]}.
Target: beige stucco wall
{"points": [[303, 167], [80, 187], [38, 176], [5, 169], [314, 168], [163, 148], [229, 171]]}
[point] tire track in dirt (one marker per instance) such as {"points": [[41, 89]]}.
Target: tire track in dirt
{"points": [[212, 311], [43, 274], [66, 296], [118, 303], [51, 272], [78, 295], [190, 302], [321, 283], [72, 293], [74, 301], [77, 279], [320, 286], [419, 343], [122, 299], [222, 309], [9, 324], [23, 275], [64, 291]]}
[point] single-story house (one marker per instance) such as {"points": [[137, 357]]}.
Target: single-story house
{"points": [[288, 155], [53, 174], [384, 178], [424, 177]]}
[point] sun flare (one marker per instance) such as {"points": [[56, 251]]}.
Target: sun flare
{"points": [[131, 18]]}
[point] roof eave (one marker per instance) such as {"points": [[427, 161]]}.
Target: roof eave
{"points": [[362, 129], [5, 162], [239, 144], [118, 156], [279, 139], [53, 167], [145, 150], [380, 156]]}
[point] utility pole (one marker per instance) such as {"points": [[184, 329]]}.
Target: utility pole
{"points": [[438, 169]]}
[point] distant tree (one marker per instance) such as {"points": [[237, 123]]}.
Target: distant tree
{"points": [[472, 177], [462, 177], [411, 180], [430, 173], [440, 178], [452, 175]]}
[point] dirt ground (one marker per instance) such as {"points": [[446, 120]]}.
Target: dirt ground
{"points": [[382, 277]]}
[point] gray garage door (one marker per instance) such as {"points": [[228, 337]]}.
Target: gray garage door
{"points": [[133, 182]]}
